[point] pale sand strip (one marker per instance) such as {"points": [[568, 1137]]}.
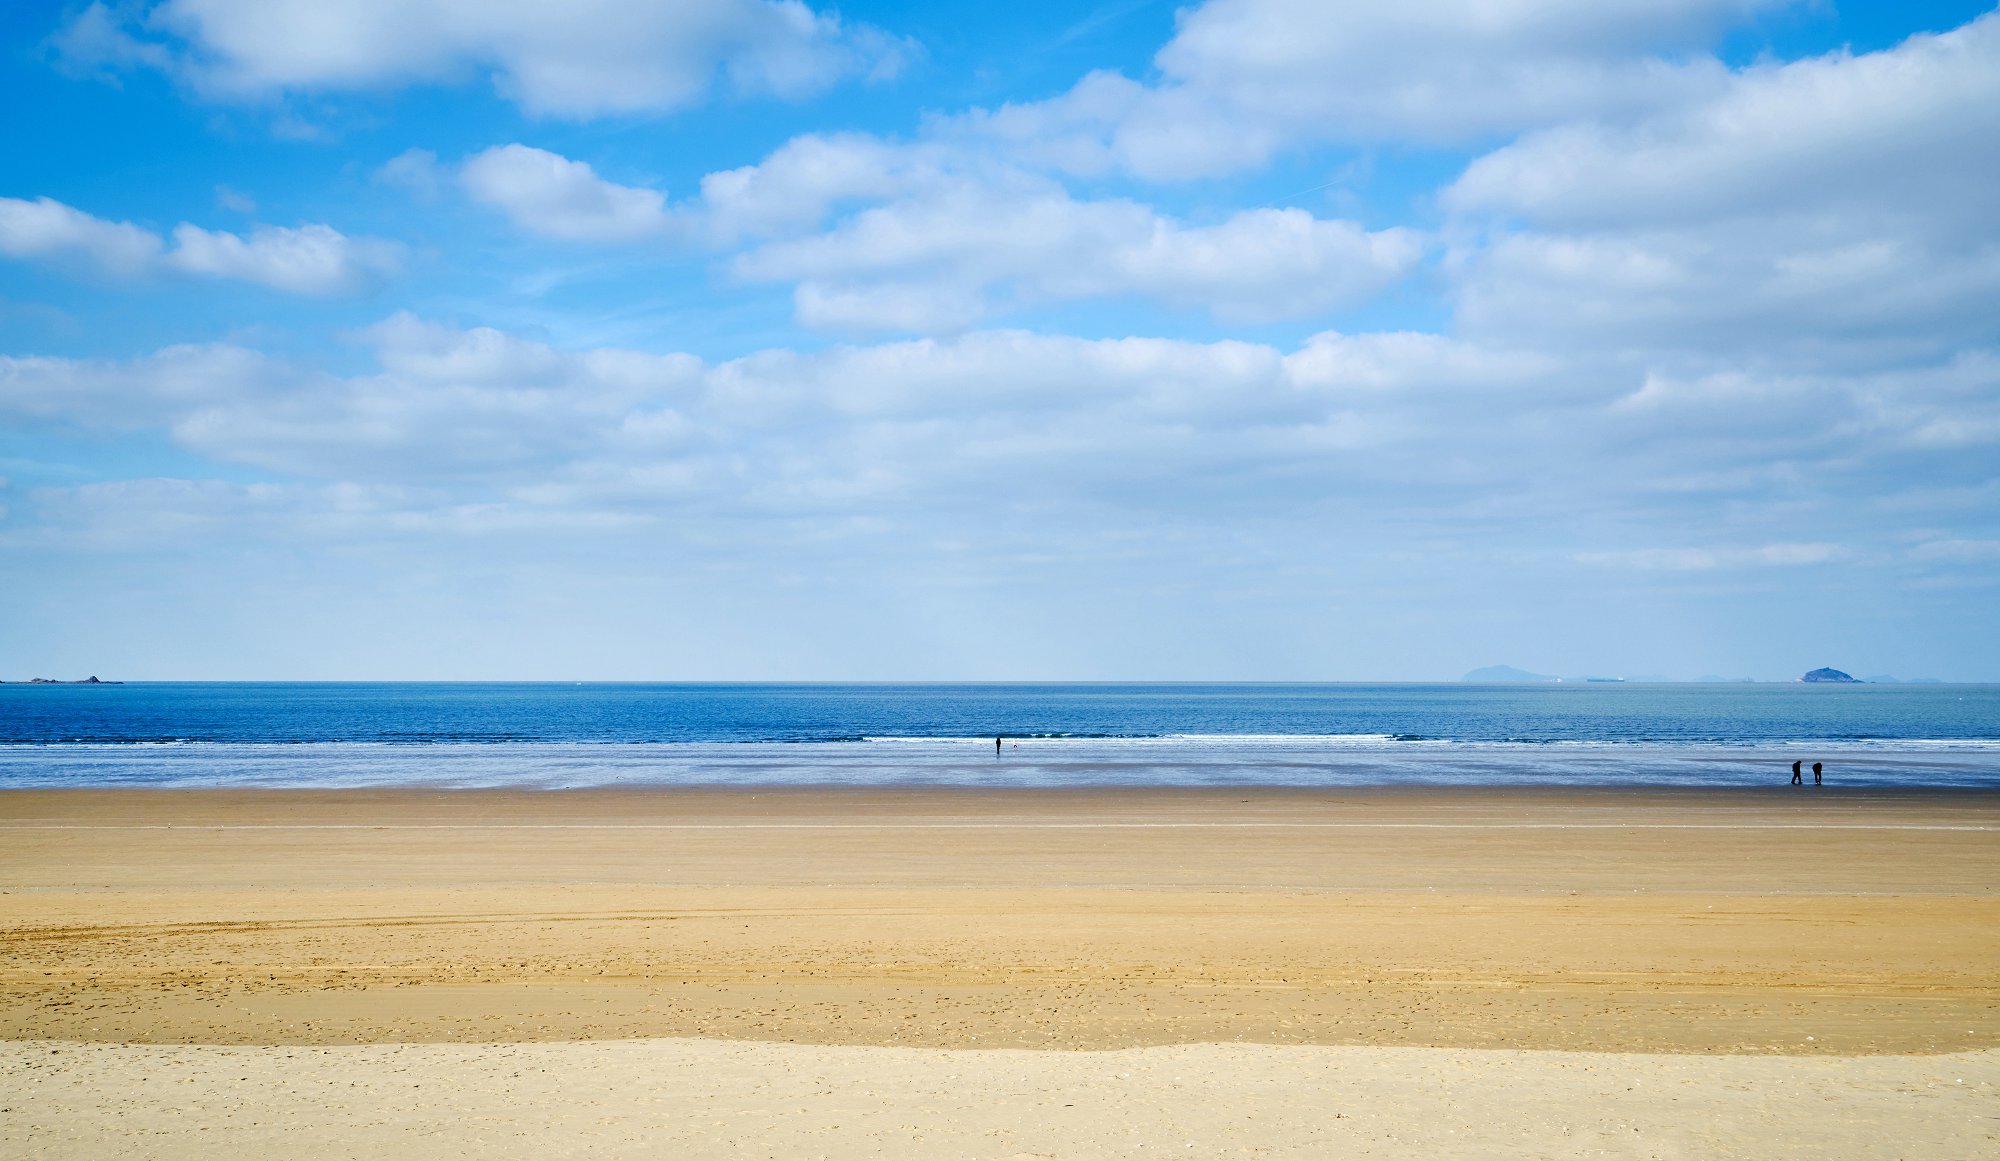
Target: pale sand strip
{"points": [[697, 1099]]}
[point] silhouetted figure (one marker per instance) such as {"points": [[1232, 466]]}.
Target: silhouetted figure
{"points": [[996, 745], [1796, 780], [1816, 772]]}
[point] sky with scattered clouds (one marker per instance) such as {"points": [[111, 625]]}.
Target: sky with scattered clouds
{"points": [[759, 339]]}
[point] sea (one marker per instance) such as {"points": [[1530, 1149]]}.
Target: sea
{"points": [[561, 735]]}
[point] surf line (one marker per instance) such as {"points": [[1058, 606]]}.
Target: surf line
{"points": [[997, 826]]}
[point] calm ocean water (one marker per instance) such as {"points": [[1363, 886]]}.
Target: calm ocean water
{"points": [[549, 735]]}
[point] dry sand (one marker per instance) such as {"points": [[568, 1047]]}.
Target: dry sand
{"points": [[1463, 973], [718, 1099]]}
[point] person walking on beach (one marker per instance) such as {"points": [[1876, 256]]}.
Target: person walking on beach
{"points": [[996, 745], [1796, 780], [1816, 770]]}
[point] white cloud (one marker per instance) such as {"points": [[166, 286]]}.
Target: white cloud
{"points": [[798, 184], [1708, 559], [579, 59], [1242, 79], [483, 405], [792, 190], [1264, 264], [157, 391], [1808, 291], [948, 257], [1824, 211], [1908, 134], [448, 404], [97, 40], [908, 307], [1413, 426], [311, 259], [415, 171], [47, 229], [947, 242], [125, 515], [545, 193]]}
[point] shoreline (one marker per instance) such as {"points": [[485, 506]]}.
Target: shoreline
{"points": [[834, 806], [1247, 765]]}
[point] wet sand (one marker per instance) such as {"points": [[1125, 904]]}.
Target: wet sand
{"points": [[1857, 926]]}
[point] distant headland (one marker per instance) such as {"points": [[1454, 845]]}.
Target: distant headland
{"points": [[1826, 675], [1507, 674], [56, 681]]}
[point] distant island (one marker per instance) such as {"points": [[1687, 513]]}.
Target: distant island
{"points": [[1507, 673], [56, 681], [1834, 676]]}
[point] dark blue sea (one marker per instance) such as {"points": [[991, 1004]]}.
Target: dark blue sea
{"points": [[557, 735]]}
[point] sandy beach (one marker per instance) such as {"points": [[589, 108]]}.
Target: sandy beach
{"points": [[1340, 946]]}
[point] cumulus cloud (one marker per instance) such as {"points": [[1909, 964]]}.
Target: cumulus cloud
{"points": [[794, 188], [1905, 132], [311, 259], [1823, 210], [47, 229], [1242, 79], [792, 191], [940, 262], [931, 242], [548, 194], [582, 59]]}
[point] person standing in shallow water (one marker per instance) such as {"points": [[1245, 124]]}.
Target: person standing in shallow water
{"points": [[1816, 772], [996, 745], [1796, 780]]}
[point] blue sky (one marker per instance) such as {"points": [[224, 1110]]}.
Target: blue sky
{"points": [[1253, 339]]}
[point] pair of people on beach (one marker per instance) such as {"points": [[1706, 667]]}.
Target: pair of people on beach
{"points": [[1798, 780]]}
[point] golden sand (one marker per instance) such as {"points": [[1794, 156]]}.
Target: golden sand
{"points": [[1829, 922], [855, 974]]}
